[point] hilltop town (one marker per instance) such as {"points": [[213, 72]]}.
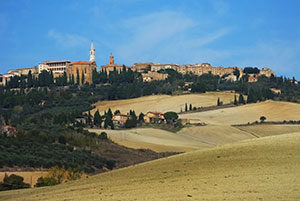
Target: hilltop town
{"points": [[149, 71]]}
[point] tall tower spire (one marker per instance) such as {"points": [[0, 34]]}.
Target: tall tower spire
{"points": [[92, 52]]}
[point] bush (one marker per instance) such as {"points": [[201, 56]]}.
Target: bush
{"points": [[46, 181], [111, 164], [171, 117], [103, 136], [13, 182]]}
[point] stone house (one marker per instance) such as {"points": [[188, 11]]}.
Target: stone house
{"points": [[120, 119], [154, 117]]}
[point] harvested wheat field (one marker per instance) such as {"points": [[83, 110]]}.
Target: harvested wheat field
{"points": [[258, 169], [272, 110], [29, 177], [155, 139], [188, 139], [263, 130], [194, 137], [164, 103], [219, 130]]}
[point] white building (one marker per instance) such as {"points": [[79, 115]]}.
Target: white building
{"points": [[57, 67], [92, 52]]}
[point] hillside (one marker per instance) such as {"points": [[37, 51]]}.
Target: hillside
{"points": [[219, 130], [258, 169], [272, 110], [188, 139], [164, 103]]}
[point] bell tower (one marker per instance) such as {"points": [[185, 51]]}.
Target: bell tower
{"points": [[111, 60], [92, 52]]}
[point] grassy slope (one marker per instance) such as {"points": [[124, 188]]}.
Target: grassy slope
{"points": [[259, 169], [273, 111], [263, 130], [219, 130], [195, 137], [164, 103], [188, 139]]}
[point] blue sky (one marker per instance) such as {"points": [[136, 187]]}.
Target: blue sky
{"points": [[223, 33]]}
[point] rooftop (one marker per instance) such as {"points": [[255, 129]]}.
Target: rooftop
{"points": [[50, 62], [82, 62]]}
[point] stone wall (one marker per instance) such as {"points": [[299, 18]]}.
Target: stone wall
{"points": [[83, 67]]}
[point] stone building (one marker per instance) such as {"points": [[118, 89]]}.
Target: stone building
{"points": [[18, 72], [81, 68], [120, 119], [57, 67], [151, 76], [111, 66], [266, 71], [142, 67], [154, 117], [205, 68]]}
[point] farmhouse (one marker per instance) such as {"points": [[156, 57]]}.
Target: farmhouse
{"points": [[154, 117], [120, 119]]}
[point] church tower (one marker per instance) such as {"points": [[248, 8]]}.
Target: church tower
{"points": [[92, 52]]}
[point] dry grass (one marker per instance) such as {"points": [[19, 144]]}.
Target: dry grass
{"points": [[188, 139], [273, 111], [219, 130], [258, 169], [164, 103], [29, 177], [154, 139], [263, 130]]}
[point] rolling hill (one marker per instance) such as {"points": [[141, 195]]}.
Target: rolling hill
{"points": [[257, 169], [272, 110], [219, 130], [188, 139], [164, 103]]}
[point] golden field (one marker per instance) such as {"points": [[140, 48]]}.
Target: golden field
{"points": [[258, 169], [187, 139], [218, 131], [272, 110], [164, 103]]}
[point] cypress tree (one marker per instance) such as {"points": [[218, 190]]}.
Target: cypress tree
{"points": [[141, 117], [191, 107], [108, 119], [235, 100], [77, 77], [30, 79], [89, 119], [186, 107], [65, 79], [82, 78], [97, 119], [241, 99], [51, 78], [72, 80]]}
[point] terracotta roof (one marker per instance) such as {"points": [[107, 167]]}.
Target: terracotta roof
{"points": [[157, 113], [56, 61], [81, 62]]}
